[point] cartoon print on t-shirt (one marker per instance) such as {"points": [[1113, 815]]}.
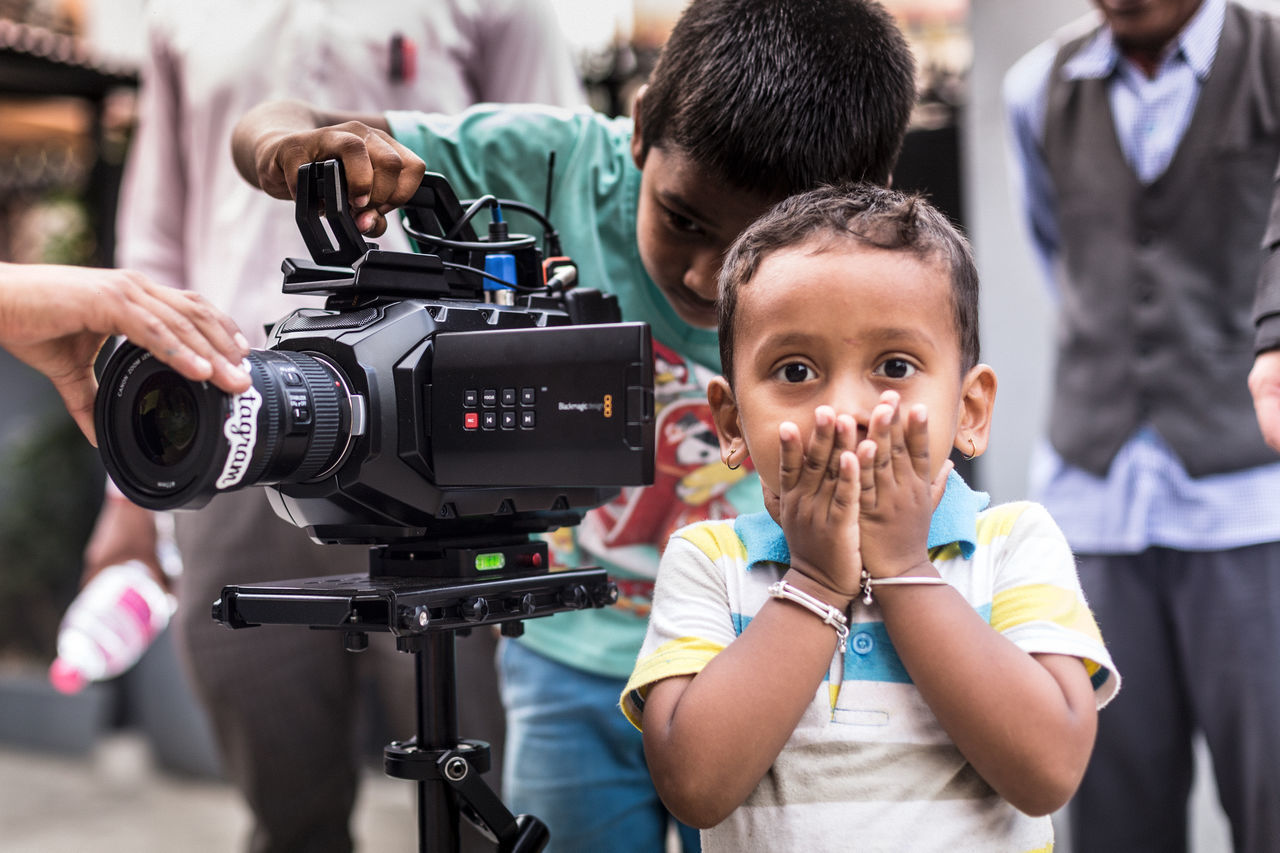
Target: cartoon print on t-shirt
{"points": [[690, 481]]}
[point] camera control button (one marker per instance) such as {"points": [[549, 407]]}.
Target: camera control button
{"points": [[471, 420], [300, 405], [471, 398], [527, 419], [489, 397], [527, 397], [489, 420], [508, 419], [508, 396], [291, 376]]}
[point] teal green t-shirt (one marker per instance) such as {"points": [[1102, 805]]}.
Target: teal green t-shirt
{"points": [[504, 150]]}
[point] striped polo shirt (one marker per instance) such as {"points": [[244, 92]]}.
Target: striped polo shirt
{"points": [[868, 760]]}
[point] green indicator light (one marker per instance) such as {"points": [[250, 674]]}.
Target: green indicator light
{"points": [[490, 562]]}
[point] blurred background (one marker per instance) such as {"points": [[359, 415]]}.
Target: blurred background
{"points": [[127, 764]]}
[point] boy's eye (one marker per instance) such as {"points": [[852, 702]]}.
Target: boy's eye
{"points": [[795, 372], [896, 368], [679, 222]]}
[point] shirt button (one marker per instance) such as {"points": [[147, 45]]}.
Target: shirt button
{"points": [[862, 643]]}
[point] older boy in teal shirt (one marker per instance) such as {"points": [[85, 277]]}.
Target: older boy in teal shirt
{"points": [[751, 101]]}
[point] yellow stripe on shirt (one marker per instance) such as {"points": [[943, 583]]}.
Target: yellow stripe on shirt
{"points": [[716, 540], [999, 521], [1045, 603], [685, 656], [1042, 603]]}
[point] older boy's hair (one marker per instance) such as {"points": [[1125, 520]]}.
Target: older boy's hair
{"points": [[870, 216], [780, 97]]}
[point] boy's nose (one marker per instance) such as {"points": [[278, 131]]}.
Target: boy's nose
{"points": [[702, 274], [854, 398]]}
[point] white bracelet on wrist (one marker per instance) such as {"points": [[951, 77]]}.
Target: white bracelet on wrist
{"points": [[828, 613], [869, 582]]}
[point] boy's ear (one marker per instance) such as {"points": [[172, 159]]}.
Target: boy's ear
{"points": [[637, 144], [977, 400], [724, 411]]}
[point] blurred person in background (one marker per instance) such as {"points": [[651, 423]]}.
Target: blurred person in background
{"points": [[56, 319], [284, 701], [1145, 143]]}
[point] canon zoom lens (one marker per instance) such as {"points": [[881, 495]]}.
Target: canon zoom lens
{"points": [[168, 442]]}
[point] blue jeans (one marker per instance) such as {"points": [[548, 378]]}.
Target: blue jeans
{"points": [[574, 761]]}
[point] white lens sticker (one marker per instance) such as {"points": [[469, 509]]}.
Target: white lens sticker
{"points": [[241, 430]]}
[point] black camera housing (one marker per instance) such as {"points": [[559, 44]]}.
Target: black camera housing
{"points": [[415, 404]]}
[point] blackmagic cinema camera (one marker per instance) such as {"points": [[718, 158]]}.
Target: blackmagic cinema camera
{"points": [[443, 407], [415, 403]]}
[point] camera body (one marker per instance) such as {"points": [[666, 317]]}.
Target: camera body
{"points": [[465, 390]]}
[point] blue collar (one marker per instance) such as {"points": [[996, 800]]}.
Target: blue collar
{"points": [[955, 520]]}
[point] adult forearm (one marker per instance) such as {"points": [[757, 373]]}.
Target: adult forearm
{"points": [[1026, 724]]}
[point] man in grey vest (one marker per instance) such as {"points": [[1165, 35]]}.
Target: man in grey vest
{"points": [[1146, 141]]}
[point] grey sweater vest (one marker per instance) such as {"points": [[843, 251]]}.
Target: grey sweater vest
{"points": [[1155, 324]]}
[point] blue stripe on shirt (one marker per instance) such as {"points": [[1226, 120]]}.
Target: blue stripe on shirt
{"points": [[869, 653]]}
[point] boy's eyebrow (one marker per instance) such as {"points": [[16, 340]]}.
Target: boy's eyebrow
{"points": [[899, 333], [892, 334], [785, 339], [680, 206]]}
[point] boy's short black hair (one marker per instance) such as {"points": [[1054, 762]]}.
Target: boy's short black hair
{"points": [[780, 97], [869, 216]]}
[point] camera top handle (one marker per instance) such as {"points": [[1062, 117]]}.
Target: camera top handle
{"points": [[322, 198]]}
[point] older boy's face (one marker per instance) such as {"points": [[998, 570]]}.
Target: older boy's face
{"points": [[833, 324], [684, 224]]}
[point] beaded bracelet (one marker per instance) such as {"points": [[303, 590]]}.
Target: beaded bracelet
{"points": [[906, 580], [827, 612]]}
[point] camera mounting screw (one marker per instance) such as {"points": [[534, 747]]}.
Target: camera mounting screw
{"points": [[456, 768]]}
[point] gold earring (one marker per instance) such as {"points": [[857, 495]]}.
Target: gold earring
{"points": [[730, 459], [973, 451]]}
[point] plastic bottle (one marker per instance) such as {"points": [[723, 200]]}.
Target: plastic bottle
{"points": [[109, 625]]}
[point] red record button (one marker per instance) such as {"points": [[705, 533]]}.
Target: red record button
{"points": [[471, 420]]}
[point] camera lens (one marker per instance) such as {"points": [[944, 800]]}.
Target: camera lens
{"points": [[164, 418], [169, 442]]}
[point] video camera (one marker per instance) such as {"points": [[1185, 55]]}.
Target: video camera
{"points": [[442, 407], [469, 389]]}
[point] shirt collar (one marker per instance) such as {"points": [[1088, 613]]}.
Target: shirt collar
{"points": [[1197, 43], [955, 520]]}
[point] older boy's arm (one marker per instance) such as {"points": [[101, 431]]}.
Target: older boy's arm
{"points": [[273, 139], [710, 738], [1026, 723]]}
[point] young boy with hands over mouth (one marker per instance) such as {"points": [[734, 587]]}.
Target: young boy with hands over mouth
{"points": [[872, 659]]}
